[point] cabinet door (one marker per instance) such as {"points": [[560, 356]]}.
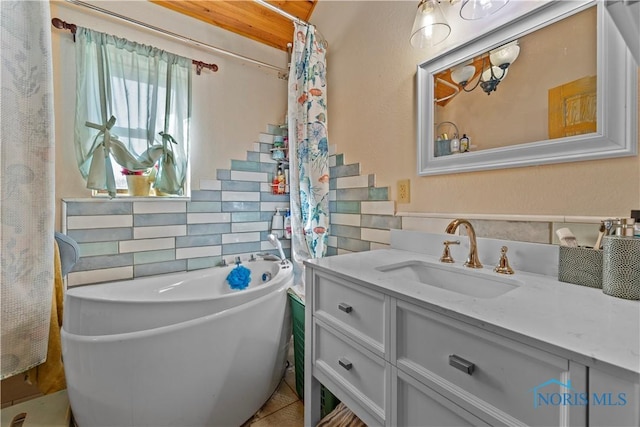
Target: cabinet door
{"points": [[613, 400], [495, 378], [418, 405]]}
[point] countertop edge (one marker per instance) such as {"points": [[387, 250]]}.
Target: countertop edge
{"points": [[542, 344]]}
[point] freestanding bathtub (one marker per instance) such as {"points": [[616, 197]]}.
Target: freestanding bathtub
{"points": [[176, 350]]}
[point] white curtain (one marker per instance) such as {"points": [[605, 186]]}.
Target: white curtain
{"points": [[309, 149], [27, 180], [133, 103]]}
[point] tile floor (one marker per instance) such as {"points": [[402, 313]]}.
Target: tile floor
{"points": [[284, 408]]}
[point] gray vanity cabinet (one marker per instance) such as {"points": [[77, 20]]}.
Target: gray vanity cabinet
{"points": [[350, 345], [398, 363]]}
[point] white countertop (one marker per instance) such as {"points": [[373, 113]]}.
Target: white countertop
{"points": [[576, 322]]}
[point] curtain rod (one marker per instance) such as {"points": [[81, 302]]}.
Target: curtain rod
{"points": [[175, 36], [63, 25], [281, 12], [292, 18]]}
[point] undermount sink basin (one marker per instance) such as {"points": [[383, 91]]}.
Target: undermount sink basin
{"points": [[463, 280]]}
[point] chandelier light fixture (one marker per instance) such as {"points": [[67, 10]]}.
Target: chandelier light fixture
{"points": [[430, 26], [478, 9], [498, 60]]}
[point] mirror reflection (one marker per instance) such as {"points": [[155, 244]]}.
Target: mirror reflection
{"points": [[537, 87]]}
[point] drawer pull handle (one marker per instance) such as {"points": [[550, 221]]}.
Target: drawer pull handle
{"points": [[459, 363], [345, 307], [345, 364]]}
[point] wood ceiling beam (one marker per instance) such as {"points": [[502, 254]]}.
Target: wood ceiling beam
{"points": [[246, 17]]}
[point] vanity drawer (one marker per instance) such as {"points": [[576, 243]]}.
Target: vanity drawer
{"points": [[359, 312], [418, 405], [478, 370], [360, 373]]}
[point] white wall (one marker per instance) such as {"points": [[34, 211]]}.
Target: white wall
{"points": [[230, 107], [371, 73]]}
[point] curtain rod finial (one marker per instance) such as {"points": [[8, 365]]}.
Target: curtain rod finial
{"points": [[200, 65], [62, 25]]}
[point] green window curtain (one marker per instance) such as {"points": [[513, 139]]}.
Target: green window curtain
{"points": [[133, 104]]}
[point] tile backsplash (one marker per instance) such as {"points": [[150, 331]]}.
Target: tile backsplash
{"points": [[362, 216], [230, 216]]}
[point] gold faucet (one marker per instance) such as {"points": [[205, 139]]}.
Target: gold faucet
{"points": [[472, 260], [446, 254], [503, 266]]}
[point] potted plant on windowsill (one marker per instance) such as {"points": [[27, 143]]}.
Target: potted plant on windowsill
{"points": [[137, 182], [152, 180]]}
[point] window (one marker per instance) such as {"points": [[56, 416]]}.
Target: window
{"points": [[133, 106]]}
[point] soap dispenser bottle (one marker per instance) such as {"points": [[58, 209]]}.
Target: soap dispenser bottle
{"points": [[281, 180], [464, 143], [287, 224], [455, 144]]}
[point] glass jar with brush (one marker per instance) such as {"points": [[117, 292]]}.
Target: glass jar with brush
{"points": [[447, 141]]}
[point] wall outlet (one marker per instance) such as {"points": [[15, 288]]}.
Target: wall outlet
{"points": [[404, 193]]}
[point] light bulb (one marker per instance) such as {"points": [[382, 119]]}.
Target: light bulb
{"points": [[505, 55], [461, 75], [498, 73]]}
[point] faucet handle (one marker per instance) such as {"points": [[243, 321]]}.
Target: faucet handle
{"points": [[446, 254], [503, 266]]}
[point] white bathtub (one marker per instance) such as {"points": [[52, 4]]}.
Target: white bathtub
{"points": [[176, 350]]}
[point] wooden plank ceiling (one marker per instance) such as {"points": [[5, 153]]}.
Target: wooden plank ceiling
{"points": [[247, 18]]}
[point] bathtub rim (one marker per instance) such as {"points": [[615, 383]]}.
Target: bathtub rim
{"points": [[283, 271], [126, 336]]}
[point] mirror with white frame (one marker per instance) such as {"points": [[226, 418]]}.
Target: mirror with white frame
{"points": [[613, 131]]}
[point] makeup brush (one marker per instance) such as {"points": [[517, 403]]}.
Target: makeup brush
{"points": [[566, 238], [600, 235]]}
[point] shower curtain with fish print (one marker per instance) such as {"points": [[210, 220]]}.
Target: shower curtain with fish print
{"points": [[27, 177], [308, 149]]}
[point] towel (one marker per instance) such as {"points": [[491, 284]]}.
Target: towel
{"points": [[49, 376], [69, 252], [341, 416], [297, 290]]}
